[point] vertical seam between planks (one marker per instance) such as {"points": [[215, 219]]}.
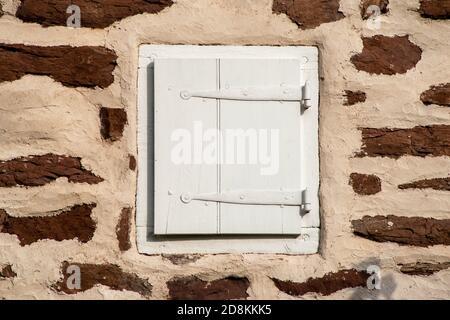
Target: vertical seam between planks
{"points": [[219, 147]]}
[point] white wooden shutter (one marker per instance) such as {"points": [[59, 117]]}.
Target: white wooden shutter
{"points": [[237, 94]]}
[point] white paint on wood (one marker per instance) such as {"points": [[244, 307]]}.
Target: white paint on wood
{"points": [[305, 243], [172, 115], [291, 67]]}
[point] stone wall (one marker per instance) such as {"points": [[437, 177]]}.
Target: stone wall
{"points": [[68, 148]]}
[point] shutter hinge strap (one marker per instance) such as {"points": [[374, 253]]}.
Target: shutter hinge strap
{"points": [[281, 93], [254, 197]]}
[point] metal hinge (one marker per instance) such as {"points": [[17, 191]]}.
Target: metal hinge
{"points": [[282, 93], [306, 96], [255, 197]]}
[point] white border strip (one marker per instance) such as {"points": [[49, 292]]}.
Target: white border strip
{"points": [[306, 243]]}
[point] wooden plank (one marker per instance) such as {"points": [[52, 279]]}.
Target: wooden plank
{"points": [[183, 121], [271, 133]]}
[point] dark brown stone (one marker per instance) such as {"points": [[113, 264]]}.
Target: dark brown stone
{"points": [[413, 231], [180, 259], [326, 285], [354, 97], [1, 10], [387, 55], [74, 223], [7, 272], [439, 95], [123, 229], [109, 275], [132, 162], [309, 14], [192, 288], [436, 184], [423, 268], [72, 66], [113, 122], [419, 141], [435, 9], [34, 171], [365, 4], [94, 14], [365, 184]]}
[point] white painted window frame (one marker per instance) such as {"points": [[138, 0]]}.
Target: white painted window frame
{"points": [[308, 241]]}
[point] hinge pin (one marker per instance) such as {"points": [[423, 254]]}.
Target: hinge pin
{"points": [[306, 96]]}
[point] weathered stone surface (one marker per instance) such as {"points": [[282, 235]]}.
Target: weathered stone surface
{"points": [[423, 268], [7, 272], [354, 97], [326, 285], [34, 171], [439, 95], [1, 10], [123, 229], [192, 288], [113, 122], [366, 12], [435, 9], [72, 66], [387, 55], [94, 14], [132, 162], [414, 231], [309, 14], [74, 223], [365, 184], [420, 141], [180, 259], [436, 184], [109, 275]]}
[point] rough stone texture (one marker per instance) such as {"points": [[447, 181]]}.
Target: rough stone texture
{"points": [[94, 14], [387, 55], [7, 272], [439, 95], [309, 14], [132, 162], [113, 122], [192, 288], [423, 268], [435, 9], [413, 231], [35, 171], [72, 66], [1, 10], [420, 141], [436, 184], [74, 223], [381, 4], [180, 259], [39, 116], [354, 97], [123, 229], [365, 184], [326, 285], [109, 275]]}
